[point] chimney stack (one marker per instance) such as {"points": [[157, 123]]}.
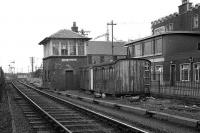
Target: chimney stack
{"points": [[186, 6], [185, 1], [74, 27]]}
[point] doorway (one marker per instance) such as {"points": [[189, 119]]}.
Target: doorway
{"points": [[69, 80], [172, 74]]}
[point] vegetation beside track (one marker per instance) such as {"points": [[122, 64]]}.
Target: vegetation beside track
{"points": [[5, 116]]}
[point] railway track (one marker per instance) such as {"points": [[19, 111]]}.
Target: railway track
{"points": [[49, 111]]}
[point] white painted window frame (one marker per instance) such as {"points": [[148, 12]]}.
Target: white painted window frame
{"points": [[196, 19], [194, 72], [183, 69]]}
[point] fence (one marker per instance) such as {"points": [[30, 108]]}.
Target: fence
{"points": [[179, 88]]}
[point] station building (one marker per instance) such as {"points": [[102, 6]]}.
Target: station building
{"points": [[175, 55], [186, 19], [66, 51]]}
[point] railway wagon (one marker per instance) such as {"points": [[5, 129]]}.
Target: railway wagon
{"points": [[122, 77]]}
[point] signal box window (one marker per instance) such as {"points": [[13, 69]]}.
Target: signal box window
{"points": [[72, 47], [64, 49], [80, 48], [55, 49]]}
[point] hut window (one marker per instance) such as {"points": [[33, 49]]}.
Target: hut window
{"points": [[131, 51]]}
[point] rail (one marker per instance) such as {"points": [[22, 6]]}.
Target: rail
{"points": [[123, 126]]}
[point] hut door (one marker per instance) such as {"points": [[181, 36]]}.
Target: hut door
{"points": [[172, 74], [91, 79], [69, 80]]}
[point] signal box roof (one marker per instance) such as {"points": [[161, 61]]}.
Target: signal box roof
{"points": [[64, 34]]}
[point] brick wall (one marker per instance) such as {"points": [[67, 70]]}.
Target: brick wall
{"points": [[55, 69]]}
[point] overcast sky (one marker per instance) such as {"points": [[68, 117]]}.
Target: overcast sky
{"points": [[24, 23]]}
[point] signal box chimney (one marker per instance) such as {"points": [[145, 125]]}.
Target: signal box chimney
{"points": [[74, 27]]}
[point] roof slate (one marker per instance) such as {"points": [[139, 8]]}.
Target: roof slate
{"points": [[64, 34]]}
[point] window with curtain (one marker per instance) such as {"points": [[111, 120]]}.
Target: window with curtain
{"points": [[138, 50], [158, 46], [196, 72], [72, 45], [196, 21], [131, 51], [81, 48], [64, 48], [171, 27], [184, 72], [148, 48], [55, 47]]}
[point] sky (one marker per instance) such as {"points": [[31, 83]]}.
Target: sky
{"points": [[24, 23]]}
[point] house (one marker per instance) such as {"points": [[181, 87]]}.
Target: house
{"points": [[187, 19], [100, 51], [175, 55]]}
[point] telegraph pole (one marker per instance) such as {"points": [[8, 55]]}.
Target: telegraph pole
{"points": [[32, 63], [112, 24]]}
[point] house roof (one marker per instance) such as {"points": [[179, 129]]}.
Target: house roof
{"points": [[163, 34], [64, 34], [105, 48]]}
